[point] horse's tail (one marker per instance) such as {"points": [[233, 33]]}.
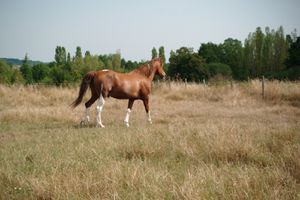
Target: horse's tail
{"points": [[83, 87]]}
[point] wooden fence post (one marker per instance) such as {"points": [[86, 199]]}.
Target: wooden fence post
{"points": [[263, 87]]}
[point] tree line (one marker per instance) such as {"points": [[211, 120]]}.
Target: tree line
{"points": [[268, 53], [64, 69]]}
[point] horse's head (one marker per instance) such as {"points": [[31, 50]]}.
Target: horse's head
{"points": [[159, 66]]}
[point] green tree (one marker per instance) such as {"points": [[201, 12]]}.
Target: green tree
{"points": [[130, 65], [293, 61], [294, 54], [57, 75], [17, 77], [161, 54], [116, 60], [6, 72], [26, 71], [77, 65], [248, 56], [106, 60], [87, 53], [90, 63], [68, 65], [187, 65], [154, 53], [60, 55], [100, 64], [232, 55], [69, 58], [210, 52], [281, 49], [258, 45], [78, 53], [123, 63], [40, 71], [265, 53], [109, 64], [253, 52]]}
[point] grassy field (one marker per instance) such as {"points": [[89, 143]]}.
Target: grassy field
{"points": [[213, 142]]}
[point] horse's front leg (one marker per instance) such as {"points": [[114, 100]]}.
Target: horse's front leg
{"points": [[99, 108], [146, 104], [130, 104]]}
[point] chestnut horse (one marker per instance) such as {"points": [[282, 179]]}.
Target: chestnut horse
{"points": [[108, 83]]}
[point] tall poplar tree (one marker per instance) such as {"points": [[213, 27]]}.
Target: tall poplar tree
{"points": [[265, 53], [161, 53], [77, 65], [60, 55], [154, 53], [26, 71]]}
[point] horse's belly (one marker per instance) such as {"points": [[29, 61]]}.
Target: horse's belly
{"points": [[124, 94]]}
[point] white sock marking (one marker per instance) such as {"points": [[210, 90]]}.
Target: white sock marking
{"points": [[149, 118], [86, 117], [99, 108], [126, 120]]}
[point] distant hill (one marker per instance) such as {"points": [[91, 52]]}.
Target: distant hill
{"points": [[16, 61]]}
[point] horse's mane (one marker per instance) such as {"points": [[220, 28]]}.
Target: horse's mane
{"points": [[145, 69]]}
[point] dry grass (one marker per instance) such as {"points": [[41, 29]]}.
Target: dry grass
{"points": [[206, 142]]}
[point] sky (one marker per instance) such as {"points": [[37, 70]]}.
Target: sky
{"points": [[36, 27]]}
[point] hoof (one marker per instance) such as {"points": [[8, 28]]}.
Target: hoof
{"points": [[100, 126], [83, 123], [127, 124]]}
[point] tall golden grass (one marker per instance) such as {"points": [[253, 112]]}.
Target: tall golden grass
{"points": [[206, 142]]}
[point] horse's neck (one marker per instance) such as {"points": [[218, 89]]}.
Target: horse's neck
{"points": [[146, 70], [152, 73]]}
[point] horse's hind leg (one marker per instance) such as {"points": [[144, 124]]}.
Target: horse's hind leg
{"points": [[146, 104], [100, 105], [88, 104]]}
